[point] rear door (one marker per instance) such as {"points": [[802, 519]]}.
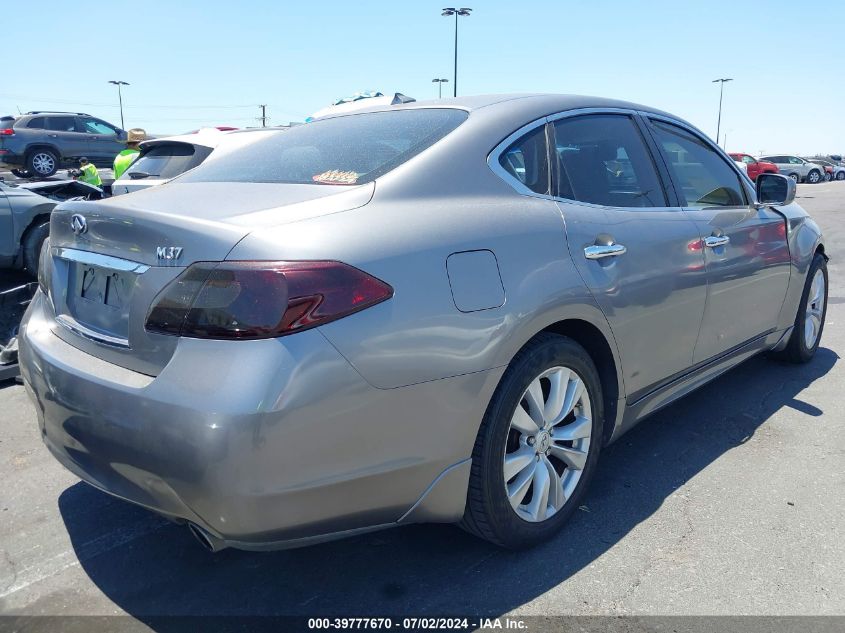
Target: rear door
{"points": [[62, 132], [633, 245], [745, 247]]}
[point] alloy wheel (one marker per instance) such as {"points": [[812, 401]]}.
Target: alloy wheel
{"points": [[43, 163], [813, 177], [815, 310], [548, 444]]}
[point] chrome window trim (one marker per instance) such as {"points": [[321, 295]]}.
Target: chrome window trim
{"points": [[97, 259], [744, 179], [496, 153], [623, 111]]}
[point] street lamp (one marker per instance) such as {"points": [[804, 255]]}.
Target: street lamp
{"points": [[439, 83], [120, 98], [463, 11], [721, 83]]}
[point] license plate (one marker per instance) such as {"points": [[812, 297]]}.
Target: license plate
{"points": [[103, 286]]}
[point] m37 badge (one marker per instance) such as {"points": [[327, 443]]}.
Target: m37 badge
{"points": [[168, 253]]}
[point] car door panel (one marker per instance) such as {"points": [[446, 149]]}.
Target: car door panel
{"points": [[747, 278], [62, 133], [652, 294], [103, 140], [745, 249]]}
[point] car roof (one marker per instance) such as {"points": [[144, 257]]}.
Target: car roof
{"points": [[538, 104]]}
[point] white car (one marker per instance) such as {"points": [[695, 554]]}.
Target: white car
{"points": [[162, 159], [360, 101]]}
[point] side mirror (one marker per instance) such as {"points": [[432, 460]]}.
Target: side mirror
{"points": [[775, 189]]}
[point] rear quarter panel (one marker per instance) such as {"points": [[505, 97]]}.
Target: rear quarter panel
{"points": [[445, 201]]}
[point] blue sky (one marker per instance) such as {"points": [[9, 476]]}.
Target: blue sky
{"points": [[195, 63]]}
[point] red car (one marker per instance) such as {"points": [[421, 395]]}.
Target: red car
{"points": [[755, 167]]}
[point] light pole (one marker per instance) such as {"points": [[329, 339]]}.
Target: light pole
{"points": [[463, 11], [120, 98], [439, 83], [721, 83]]}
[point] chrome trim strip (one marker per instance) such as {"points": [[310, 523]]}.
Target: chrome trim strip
{"points": [[68, 322], [601, 251], [97, 259]]}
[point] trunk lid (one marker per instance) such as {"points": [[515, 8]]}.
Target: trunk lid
{"points": [[111, 258]]}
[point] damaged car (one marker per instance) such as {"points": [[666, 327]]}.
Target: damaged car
{"points": [[25, 217]]}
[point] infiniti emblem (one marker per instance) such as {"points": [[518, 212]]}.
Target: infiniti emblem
{"points": [[78, 224]]}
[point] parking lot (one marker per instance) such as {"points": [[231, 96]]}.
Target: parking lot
{"points": [[727, 502]]}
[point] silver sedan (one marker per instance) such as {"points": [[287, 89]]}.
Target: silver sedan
{"points": [[428, 312]]}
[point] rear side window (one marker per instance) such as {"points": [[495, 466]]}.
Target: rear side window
{"points": [[705, 178], [603, 159], [527, 161], [61, 124], [36, 124], [345, 150], [168, 161]]}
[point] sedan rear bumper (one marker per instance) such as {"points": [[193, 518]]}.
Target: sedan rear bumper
{"points": [[263, 444]]}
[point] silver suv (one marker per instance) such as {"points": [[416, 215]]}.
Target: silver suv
{"points": [[798, 169], [39, 143]]}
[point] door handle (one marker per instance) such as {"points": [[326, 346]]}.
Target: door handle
{"points": [[599, 251], [713, 241], [53, 135]]}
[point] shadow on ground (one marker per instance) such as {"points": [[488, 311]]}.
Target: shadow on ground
{"points": [[150, 567]]}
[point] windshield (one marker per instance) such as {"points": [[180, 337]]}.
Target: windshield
{"points": [[345, 150], [168, 160]]}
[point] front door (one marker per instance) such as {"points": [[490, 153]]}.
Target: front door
{"points": [[745, 248], [635, 248], [103, 141]]}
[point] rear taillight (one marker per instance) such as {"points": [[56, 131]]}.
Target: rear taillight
{"points": [[7, 131], [253, 300]]}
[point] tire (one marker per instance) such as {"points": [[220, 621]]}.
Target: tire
{"points": [[814, 176], [798, 350], [840, 175], [795, 177], [32, 243], [42, 163], [828, 176], [489, 512]]}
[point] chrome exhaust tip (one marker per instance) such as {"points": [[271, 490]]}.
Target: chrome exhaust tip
{"points": [[209, 543]]}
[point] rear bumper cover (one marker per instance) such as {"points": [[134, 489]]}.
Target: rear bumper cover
{"points": [[264, 444]]}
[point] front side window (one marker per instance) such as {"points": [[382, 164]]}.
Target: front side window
{"points": [[748, 160], [343, 150], [61, 124], [92, 126], [603, 159], [527, 160], [705, 178]]}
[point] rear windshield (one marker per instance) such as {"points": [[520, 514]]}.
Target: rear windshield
{"points": [[346, 150], [168, 161]]}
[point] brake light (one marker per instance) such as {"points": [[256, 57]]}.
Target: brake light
{"points": [[7, 131], [257, 299]]}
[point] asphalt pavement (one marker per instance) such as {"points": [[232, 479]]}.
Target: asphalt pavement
{"points": [[727, 502]]}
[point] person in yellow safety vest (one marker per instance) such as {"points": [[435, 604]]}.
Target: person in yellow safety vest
{"points": [[123, 160], [88, 173]]}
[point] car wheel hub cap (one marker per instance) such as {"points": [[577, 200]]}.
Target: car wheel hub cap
{"points": [[548, 443], [815, 310], [42, 163]]}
